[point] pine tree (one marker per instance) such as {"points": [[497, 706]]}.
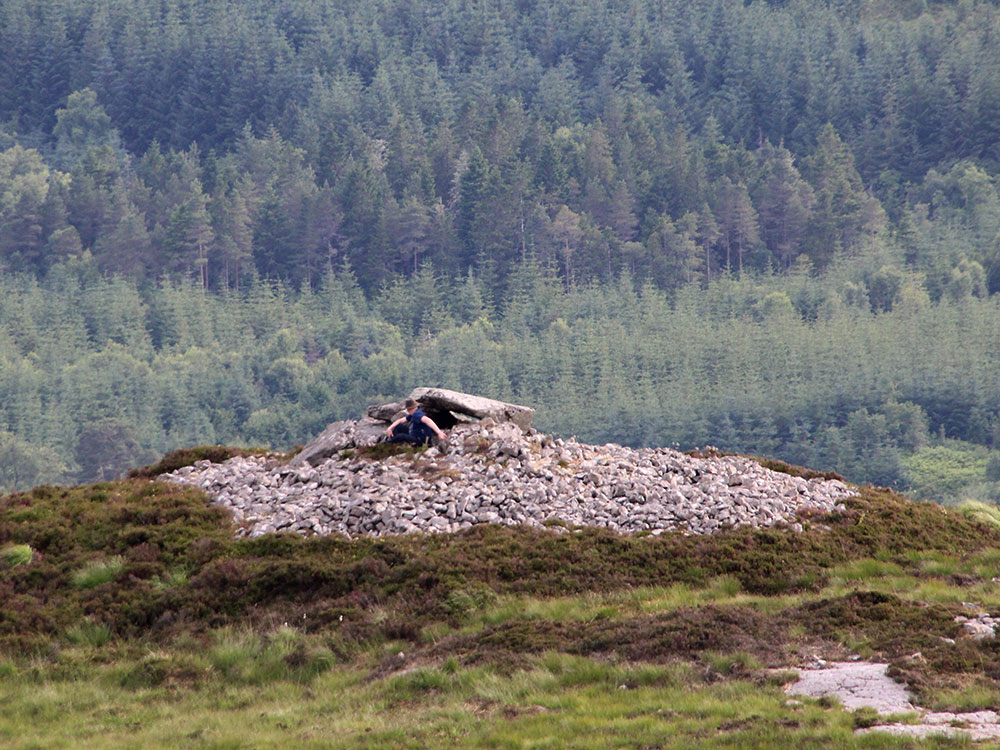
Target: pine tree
{"points": [[128, 247], [26, 184], [842, 214], [81, 127], [188, 234], [472, 191], [567, 235], [408, 230], [18, 40], [737, 227], [671, 256], [784, 202]]}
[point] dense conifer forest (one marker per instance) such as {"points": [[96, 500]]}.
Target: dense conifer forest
{"points": [[769, 226]]}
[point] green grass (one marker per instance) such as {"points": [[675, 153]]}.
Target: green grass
{"points": [[555, 702], [89, 633], [97, 572], [867, 570], [235, 688], [14, 555], [284, 654], [139, 620], [971, 694], [731, 664], [172, 578], [981, 512]]}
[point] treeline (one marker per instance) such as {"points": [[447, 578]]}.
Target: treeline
{"points": [[770, 226], [671, 139], [97, 374]]}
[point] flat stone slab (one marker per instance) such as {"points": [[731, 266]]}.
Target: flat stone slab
{"points": [[976, 725], [857, 685], [866, 684], [476, 406]]}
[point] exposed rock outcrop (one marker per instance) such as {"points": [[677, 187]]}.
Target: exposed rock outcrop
{"points": [[495, 472], [861, 684]]}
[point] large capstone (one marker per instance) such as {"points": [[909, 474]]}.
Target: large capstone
{"points": [[446, 408]]}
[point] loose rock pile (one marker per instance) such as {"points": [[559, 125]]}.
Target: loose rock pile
{"points": [[980, 627], [493, 472]]}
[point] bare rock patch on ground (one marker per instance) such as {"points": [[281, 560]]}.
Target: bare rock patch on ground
{"points": [[867, 685]]}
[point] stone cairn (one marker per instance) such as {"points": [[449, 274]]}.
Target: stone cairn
{"points": [[494, 468]]}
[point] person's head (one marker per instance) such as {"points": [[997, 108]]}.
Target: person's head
{"points": [[410, 405]]}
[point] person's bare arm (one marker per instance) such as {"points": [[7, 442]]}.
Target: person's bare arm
{"points": [[390, 428], [430, 423]]}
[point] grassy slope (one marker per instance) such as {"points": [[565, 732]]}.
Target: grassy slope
{"points": [[497, 637]]}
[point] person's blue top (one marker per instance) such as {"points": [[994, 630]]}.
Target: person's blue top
{"points": [[418, 430]]}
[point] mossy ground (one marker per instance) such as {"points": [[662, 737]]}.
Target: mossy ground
{"points": [[496, 637]]}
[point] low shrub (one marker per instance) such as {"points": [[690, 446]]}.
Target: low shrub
{"points": [[462, 602], [796, 471], [178, 459], [179, 568], [382, 451]]}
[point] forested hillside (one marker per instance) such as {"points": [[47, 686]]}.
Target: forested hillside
{"points": [[770, 226]]}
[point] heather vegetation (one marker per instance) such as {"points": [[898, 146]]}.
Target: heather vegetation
{"points": [[184, 634], [152, 559]]}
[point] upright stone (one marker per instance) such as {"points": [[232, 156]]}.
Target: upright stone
{"points": [[337, 437]]}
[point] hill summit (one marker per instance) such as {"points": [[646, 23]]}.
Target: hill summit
{"points": [[501, 471]]}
